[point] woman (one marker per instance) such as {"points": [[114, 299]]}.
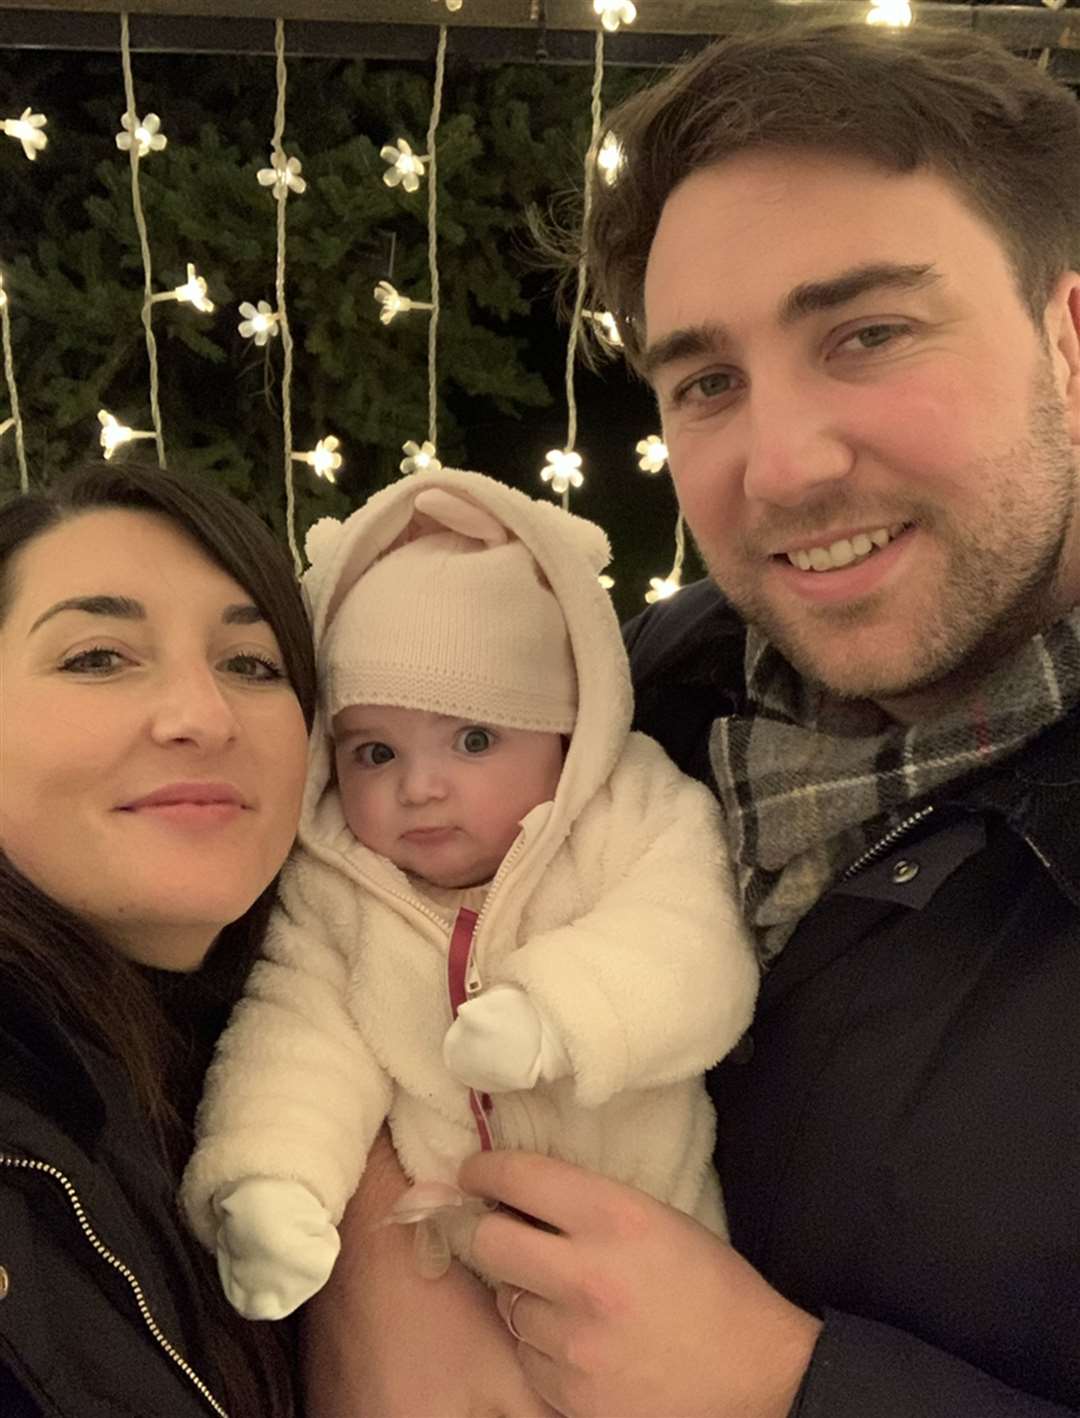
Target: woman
{"points": [[157, 683]]}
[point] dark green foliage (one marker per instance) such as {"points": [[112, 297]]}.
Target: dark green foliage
{"points": [[511, 137]]}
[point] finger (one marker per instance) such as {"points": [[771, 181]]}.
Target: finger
{"points": [[554, 1192], [511, 1252], [530, 1319]]}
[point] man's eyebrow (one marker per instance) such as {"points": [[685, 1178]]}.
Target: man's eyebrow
{"points": [[124, 608], [118, 607], [813, 296], [712, 337], [690, 342]]}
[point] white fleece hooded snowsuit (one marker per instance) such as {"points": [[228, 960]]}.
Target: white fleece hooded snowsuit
{"points": [[613, 910]]}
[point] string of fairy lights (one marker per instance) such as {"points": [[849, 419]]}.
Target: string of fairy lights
{"points": [[262, 321]]}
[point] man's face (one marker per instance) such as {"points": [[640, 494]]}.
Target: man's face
{"points": [[849, 382]]}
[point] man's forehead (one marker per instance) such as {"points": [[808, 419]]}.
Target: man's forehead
{"points": [[787, 233]]}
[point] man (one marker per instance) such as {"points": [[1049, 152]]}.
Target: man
{"points": [[847, 263]]}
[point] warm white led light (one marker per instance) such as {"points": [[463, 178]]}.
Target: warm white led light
{"points": [[27, 130], [614, 13], [146, 135], [394, 303], [607, 327], [654, 454], [324, 458], [563, 470], [895, 13], [406, 167], [419, 457], [260, 322], [193, 292], [610, 159], [661, 588], [283, 175], [115, 434]]}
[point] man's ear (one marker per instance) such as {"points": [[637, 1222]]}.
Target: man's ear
{"points": [[1062, 323]]}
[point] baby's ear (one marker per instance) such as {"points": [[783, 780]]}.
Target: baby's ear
{"points": [[450, 512]]}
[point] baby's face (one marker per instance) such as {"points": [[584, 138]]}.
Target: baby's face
{"points": [[441, 797]]}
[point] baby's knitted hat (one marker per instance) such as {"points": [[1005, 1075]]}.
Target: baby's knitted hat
{"points": [[456, 621]]}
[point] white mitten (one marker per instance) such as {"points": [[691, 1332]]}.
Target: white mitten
{"points": [[500, 1043], [275, 1246]]}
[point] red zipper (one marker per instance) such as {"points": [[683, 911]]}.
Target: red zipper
{"points": [[457, 969]]}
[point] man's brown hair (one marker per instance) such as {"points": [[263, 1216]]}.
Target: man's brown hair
{"points": [[1005, 134]]}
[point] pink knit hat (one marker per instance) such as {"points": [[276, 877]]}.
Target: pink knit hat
{"points": [[456, 621]]}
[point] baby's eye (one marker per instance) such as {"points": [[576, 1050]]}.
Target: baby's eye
{"points": [[475, 739], [373, 755]]}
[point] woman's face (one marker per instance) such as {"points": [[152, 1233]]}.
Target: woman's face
{"points": [[152, 752]]}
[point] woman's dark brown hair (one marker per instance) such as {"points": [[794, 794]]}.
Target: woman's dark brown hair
{"points": [[55, 958], [1003, 133]]}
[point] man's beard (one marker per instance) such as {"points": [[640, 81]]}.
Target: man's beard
{"points": [[1000, 579]]}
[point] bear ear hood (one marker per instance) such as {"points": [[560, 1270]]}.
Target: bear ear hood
{"points": [[569, 552]]}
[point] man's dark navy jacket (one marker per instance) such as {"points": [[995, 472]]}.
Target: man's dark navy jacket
{"points": [[899, 1136]]}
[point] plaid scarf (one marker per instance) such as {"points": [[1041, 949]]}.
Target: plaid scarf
{"points": [[808, 781]]}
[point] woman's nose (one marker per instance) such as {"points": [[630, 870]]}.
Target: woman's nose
{"points": [[193, 708]]}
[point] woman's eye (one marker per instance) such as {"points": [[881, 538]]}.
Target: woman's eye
{"points": [[475, 740], [99, 660], [373, 755], [253, 666]]}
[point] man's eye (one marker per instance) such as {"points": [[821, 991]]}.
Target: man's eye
{"points": [[475, 740], [99, 660], [713, 385], [875, 337], [374, 755]]}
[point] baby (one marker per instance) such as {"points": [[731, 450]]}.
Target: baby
{"points": [[508, 921]]}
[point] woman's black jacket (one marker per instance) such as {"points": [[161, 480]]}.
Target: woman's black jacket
{"points": [[101, 1314]]}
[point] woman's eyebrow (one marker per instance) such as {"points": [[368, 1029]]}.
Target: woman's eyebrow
{"points": [[244, 614], [118, 607], [124, 608]]}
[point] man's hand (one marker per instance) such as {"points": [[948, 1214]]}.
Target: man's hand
{"points": [[276, 1246], [629, 1307]]}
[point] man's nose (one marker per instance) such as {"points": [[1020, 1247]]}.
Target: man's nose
{"points": [[794, 446]]}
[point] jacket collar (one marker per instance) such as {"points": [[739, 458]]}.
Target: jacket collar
{"points": [[45, 1070], [1037, 790]]}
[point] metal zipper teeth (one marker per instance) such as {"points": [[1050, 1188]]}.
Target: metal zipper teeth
{"points": [[29, 1164], [889, 840]]}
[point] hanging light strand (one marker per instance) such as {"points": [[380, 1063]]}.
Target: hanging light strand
{"points": [[433, 239], [577, 319], [144, 241], [15, 421], [660, 588], [282, 312]]}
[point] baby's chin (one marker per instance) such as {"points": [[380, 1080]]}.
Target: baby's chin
{"points": [[455, 881]]}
